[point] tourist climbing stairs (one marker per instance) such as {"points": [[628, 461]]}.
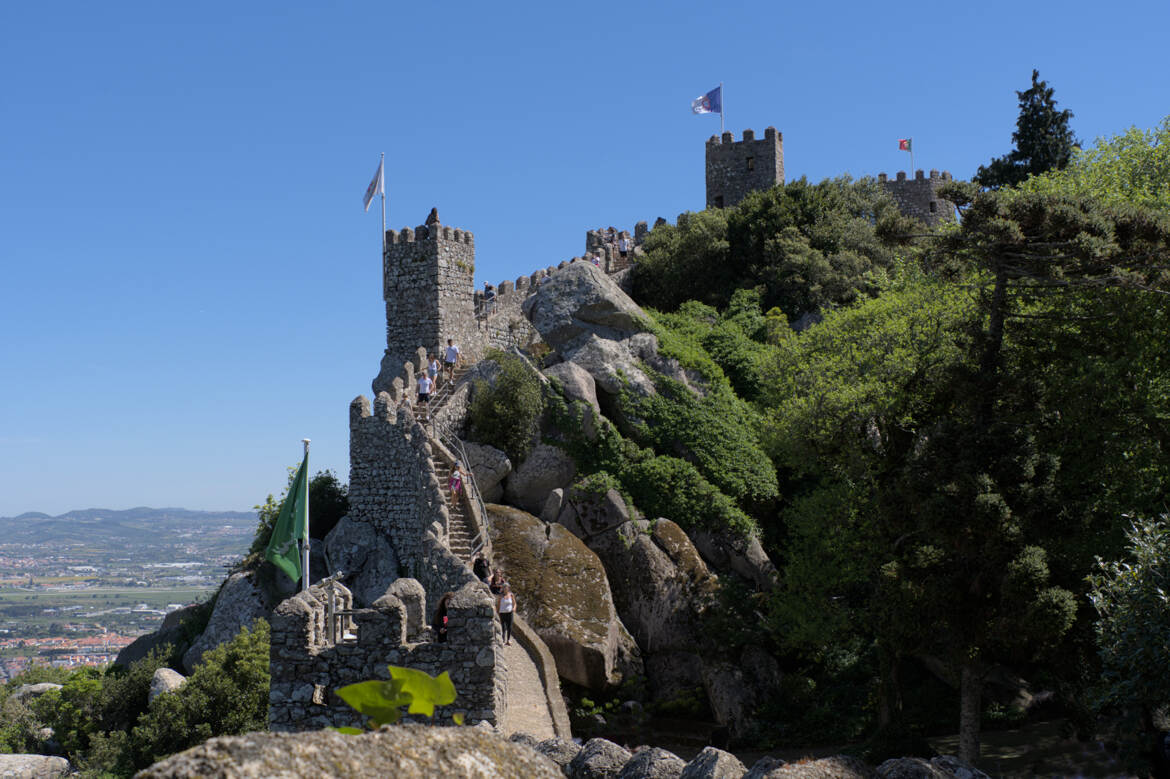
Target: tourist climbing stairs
{"points": [[463, 537]]}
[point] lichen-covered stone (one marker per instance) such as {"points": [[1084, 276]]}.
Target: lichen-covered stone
{"points": [[560, 751], [401, 751], [365, 556], [580, 300], [239, 603], [565, 595], [836, 767], [653, 763], [34, 767], [712, 763], [546, 468], [599, 759], [165, 680]]}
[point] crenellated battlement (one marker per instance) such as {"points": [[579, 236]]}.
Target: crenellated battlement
{"points": [[918, 197], [918, 176], [735, 168], [770, 134], [424, 233]]}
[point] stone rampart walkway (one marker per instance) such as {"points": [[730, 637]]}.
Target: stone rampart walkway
{"points": [[527, 705]]}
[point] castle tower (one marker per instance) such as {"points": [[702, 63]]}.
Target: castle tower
{"points": [[735, 168], [918, 197], [428, 284]]}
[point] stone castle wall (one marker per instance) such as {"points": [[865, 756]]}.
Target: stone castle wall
{"points": [[392, 483], [308, 661], [918, 197], [735, 168], [427, 283]]}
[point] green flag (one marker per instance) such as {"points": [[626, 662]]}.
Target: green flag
{"points": [[292, 525]]}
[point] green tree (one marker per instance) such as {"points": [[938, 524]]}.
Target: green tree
{"points": [[805, 248], [227, 694], [1126, 170], [506, 412], [684, 262], [1043, 140], [1132, 600], [328, 503]]}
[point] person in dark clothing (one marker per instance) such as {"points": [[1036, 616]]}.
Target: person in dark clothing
{"points": [[496, 583], [480, 569], [439, 624]]}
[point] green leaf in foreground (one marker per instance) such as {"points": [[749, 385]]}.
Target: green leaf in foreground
{"points": [[381, 701], [375, 699], [424, 691]]}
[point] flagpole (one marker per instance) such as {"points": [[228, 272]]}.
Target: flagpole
{"points": [[382, 168], [912, 168], [722, 107], [305, 545]]}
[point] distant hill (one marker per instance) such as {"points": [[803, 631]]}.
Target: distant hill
{"points": [[135, 526]]}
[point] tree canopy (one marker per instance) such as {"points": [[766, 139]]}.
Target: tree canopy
{"points": [[1043, 139]]}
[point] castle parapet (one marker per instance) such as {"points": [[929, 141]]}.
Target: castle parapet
{"points": [[918, 197], [309, 658], [735, 168]]}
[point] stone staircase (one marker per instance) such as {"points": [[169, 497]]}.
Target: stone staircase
{"points": [[460, 530]]}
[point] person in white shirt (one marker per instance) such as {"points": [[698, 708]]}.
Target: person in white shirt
{"points": [[506, 604], [425, 385], [451, 358]]}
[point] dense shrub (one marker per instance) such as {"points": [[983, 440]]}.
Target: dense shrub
{"points": [[106, 724], [226, 695], [806, 247], [668, 487], [506, 413], [328, 503]]}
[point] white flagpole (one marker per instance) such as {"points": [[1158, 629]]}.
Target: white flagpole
{"points": [[722, 106], [382, 175], [911, 158], [305, 546]]}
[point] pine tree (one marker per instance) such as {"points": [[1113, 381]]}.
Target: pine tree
{"points": [[1043, 140]]}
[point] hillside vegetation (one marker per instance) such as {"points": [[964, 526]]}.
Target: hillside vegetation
{"points": [[959, 427]]}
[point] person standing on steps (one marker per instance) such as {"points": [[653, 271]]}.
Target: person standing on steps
{"points": [[456, 482], [480, 569], [497, 582], [426, 385], [433, 368], [624, 247], [489, 298], [452, 358], [506, 604]]}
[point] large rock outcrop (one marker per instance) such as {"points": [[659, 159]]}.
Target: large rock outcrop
{"points": [[240, 603], [563, 593], [578, 301], [34, 767], [659, 582], [365, 556], [546, 468], [489, 466], [401, 751], [170, 633]]}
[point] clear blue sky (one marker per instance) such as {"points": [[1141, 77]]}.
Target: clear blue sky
{"points": [[190, 285]]}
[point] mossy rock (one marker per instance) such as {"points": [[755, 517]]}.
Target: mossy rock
{"points": [[562, 591]]}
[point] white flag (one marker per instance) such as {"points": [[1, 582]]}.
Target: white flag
{"points": [[377, 186]]}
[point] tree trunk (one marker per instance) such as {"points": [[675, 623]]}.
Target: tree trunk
{"points": [[970, 711], [890, 696]]}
